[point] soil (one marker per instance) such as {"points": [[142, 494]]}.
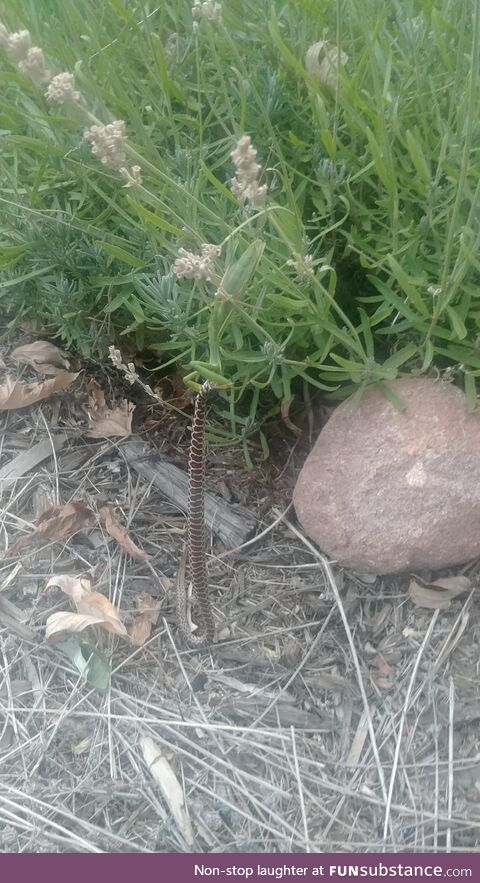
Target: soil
{"points": [[332, 714]]}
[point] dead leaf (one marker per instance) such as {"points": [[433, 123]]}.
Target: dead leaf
{"points": [[285, 411], [439, 594], [141, 627], [323, 60], [108, 422], [171, 789], [43, 356], [73, 586], [383, 683], [55, 523], [2, 363], [95, 604], [60, 521], [69, 622], [93, 608], [33, 326], [119, 533], [16, 394], [383, 667]]}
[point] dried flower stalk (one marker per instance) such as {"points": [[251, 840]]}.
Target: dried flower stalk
{"points": [[245, 184]]}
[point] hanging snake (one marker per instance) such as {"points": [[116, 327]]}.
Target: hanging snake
{"points": [[193, 558]]}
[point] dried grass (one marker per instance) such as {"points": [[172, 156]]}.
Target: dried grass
{"points": [[332, 715]]}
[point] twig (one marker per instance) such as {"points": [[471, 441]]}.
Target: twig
{"points": [[403, 718], [336, 594], [451, 718]]}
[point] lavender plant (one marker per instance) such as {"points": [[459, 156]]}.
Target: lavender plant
{"points": [[270, 212]]}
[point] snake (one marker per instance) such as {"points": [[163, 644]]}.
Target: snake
{"points": [[193, 560]]}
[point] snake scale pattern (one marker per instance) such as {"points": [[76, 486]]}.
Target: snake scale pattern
{"points": [[194, 557]]}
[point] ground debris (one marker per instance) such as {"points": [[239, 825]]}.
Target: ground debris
{"points": [[275, 707]]}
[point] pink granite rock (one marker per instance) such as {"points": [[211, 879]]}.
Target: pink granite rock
{"points": [[385, 491]]}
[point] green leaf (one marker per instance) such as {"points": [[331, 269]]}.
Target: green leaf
{"points": [[354, 400], [116, 303], [286, 54], [367, 333], [407, 286], [328, 142], [210, 373], [392, 397], [428, 355], [289, 303], [219, 185], [90, 663], [456, 322], [394, 299], [151, 219], [377, 157], [470, 392], [237, 277], [418, 158], [400, 357], [121, 254]]}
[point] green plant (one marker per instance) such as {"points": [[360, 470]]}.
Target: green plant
{"points": [[354, 257]]}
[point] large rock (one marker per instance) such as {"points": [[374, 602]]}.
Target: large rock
{"points": [[384, 491]]}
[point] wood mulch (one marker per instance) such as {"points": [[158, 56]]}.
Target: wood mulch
{"points": [[330, 716]]}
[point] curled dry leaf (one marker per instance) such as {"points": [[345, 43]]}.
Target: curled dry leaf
{"points": [[96, 395], [57, 623], [43, 356], [57, 522], [119, 533], [170, 787], [95, 604], [439, 594], [76, 587], [16, 394], [141, 627], [322, 61], [109, 422], [61, 521], [93, 608]]}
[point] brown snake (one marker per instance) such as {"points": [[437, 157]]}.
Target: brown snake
{"points": [[194, 552]]}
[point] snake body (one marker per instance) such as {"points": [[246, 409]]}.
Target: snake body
{"points": [[194, 553]]}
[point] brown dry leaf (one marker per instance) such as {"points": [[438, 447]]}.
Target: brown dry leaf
{"points": [[76, 587], [322, 61], [43, 356], [439, 594], [16, 394], [119, 533], [33, 326], [383, 683], [94, 608], [108, 422], [56, 522], [61, 521], [141, 627], [95, 604], [382, 665], [171, 788], [69, 622], [96, 395]]}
